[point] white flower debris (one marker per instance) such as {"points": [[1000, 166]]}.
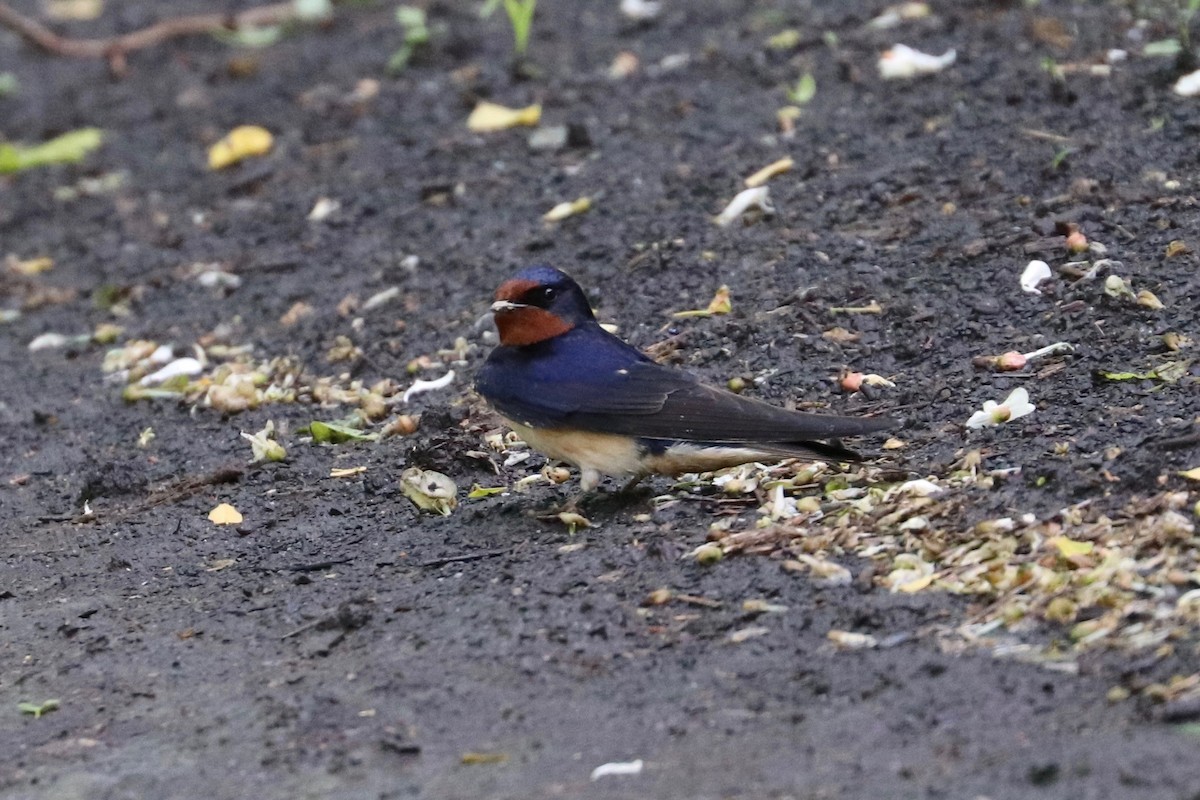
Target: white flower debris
{"points": [[618, 768], [902, 61], [782, 506], [49, 341], [1117, 287], [187, 366], [849, 640], [322, 209], [381, 298], [747, 633], [420, 386], [263, 446], [641, 10], [826, 573], [1188, 85], [1035, 272], [429, 490], [218, 279], [758, 197], [1015, 406], [920, 487]]}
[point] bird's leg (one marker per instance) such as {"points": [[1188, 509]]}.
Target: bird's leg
{"points": [[632, 484], [589, 479]]}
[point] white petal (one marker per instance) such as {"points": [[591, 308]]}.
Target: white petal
{"points": [[758, 197], [181, 366], [618, 768], [420, 386], [904, 62], [980, 419], [1018, 403], [1035, 272], [1188, 85]]}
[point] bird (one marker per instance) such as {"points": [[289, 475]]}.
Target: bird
{"points": [[579, 394]]}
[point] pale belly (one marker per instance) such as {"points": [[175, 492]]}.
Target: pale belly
{"points": [[609, 454], [605, 453]]}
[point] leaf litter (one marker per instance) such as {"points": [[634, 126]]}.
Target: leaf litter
{"points": [[1123, 580]]}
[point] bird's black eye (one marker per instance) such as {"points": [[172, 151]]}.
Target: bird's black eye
{"points": [[545, 294]]}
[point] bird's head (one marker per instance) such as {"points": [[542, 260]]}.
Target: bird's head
{"points": [[539, 303]]}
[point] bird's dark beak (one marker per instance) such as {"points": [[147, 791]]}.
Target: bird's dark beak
{"points": [[500, 306]]}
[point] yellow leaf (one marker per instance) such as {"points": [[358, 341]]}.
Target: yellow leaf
{"points": [[30, 266], [1069, 548], [770, 171], [242, 142], [225, 514], [564, 210], [1191, 474], [720, 304], [916, 585], [489, 117]]}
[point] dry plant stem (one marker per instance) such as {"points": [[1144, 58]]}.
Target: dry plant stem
{"points": [[114, 48]]}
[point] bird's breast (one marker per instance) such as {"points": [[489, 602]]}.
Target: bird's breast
{"points": [[608, 453]]}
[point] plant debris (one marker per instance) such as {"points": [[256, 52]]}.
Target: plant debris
{"points": [[769, 171], [263, 445], [38, 710], [617, 768], [747, 200], [568, 209], [489, 117], [66, 149], [225, 514], [1015, 406], [902, 61], [429, 490], [720, 304], [244, 141]]}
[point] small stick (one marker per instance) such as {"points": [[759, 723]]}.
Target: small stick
{"points": [[441, 562], [114, 48]]}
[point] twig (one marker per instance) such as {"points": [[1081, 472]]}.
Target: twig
{"points": [[441, 562], [114, 48]]}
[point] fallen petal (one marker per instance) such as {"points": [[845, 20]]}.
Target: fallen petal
{"points": [[902, 61], [618, 768], [758, 197]]}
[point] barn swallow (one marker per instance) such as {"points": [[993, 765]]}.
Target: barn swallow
{"points": [[578, 394]]}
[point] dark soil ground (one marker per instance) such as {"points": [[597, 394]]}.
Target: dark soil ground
{"points": [[340, 643]]}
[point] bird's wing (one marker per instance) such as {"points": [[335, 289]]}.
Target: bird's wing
{"points": [[672, 404], [644, 399]]}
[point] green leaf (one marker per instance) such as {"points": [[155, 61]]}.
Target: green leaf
{"points": [[784, 40], [65, 149], [478, 491], [8, 84], [37, 709], [1163, 47], [1170, 372], [337, 432], [804, 90], [520, 16]]}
